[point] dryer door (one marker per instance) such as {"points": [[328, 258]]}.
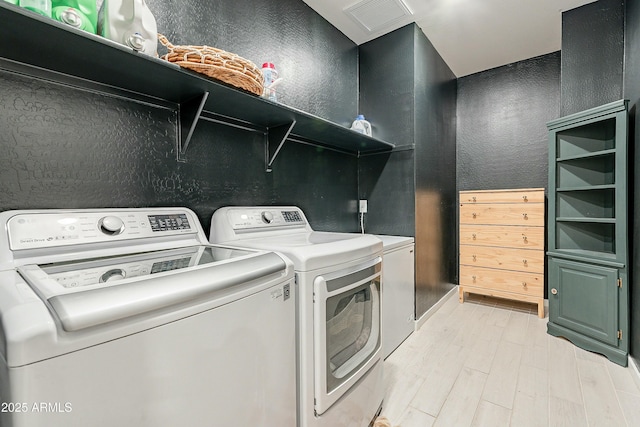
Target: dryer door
{"points": [[346, 330]]}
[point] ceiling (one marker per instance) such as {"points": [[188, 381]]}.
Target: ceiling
{"points": [[470, 35]]}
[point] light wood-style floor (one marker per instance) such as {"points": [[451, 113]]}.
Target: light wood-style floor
{"points": [[490, 362]]}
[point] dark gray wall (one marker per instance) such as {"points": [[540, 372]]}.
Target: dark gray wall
{"points": [[66, 148], [632, 93], [592, 55], [435, 166], [387, 101], [502, 116], [411, 191]]}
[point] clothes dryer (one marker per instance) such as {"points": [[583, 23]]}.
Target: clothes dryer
{"points": [[338, 309]]}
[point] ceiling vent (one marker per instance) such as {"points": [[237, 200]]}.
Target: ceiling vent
{"points": [[374, 15]]}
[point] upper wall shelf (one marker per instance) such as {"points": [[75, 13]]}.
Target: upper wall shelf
{"points": [[45, 48]]}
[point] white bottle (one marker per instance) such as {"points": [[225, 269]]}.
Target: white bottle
{"points": [[361, 125], [270, 77], [131, 23]]}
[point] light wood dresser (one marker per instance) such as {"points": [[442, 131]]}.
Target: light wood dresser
{"points": [[502, 244]]}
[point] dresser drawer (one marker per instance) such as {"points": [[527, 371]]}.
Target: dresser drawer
{"points": [[525, 195], [528, 260], [509, 236], [502, 280], [506, 214]]}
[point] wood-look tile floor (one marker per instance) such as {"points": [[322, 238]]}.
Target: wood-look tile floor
{"points": [[490, 362]]}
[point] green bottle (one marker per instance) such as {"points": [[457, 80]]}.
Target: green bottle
{"points": [[43, 7], [81, 14]]}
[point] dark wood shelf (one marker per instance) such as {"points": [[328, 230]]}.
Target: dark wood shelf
{"points": [[44, 48]]}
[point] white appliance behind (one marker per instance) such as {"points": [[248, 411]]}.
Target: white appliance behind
{"points": [[398, 291]]}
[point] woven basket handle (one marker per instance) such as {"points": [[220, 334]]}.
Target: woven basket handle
{"points": [[165, 41]]}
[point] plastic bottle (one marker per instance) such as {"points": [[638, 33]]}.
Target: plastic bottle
{"points": [[43, 7], [270, 76], [361, 125], [82, 14], [131, 23]]}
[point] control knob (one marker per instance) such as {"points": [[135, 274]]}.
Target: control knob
{"points": [[111, 225], [113, 275], [267, 217]]}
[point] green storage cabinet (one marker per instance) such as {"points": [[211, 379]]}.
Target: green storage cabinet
{"points": [[588, 230]]}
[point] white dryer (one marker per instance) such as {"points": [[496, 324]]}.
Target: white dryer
{"points": [[338, 309], [129, 317]]}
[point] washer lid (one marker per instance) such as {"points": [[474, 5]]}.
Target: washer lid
{"points": [[91, 292], [318, 249], [393, 242]]}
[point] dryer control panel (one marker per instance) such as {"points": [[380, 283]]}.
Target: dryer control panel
{"points": [[265, 218], [42, 230]]}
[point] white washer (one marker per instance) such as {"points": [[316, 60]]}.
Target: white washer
{"points": [[129, 317], [338, 317], [398, 291]]}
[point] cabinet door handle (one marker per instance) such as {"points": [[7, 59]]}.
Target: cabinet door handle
{"points": [[554, 291], [524, 216]]}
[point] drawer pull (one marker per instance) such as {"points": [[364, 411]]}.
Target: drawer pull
{"points": [[524, 216], [473, 236], [473, 199], [524, 285], [474, 257], [554, 291], [524, 261], [524, 198], [525, 239], [474, 215], [474, 279]]}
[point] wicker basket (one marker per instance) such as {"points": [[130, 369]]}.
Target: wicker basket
{"points": [[216, 63]]}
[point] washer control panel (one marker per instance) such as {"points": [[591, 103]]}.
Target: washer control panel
{"points": [[248, 218], [41, 230]]}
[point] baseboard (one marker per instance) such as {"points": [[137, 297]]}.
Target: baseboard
{"points": [[635, 372], [421, 321]]}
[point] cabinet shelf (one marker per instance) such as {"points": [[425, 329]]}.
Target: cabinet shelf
{"points": [[609, 152], [586, 188], [586, 220], [47, 49]]}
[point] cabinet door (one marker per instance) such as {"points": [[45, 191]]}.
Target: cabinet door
{"points": [[584, 298]]}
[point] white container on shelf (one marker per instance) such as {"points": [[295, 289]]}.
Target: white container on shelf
{"points": [[131, 23], [361, 125]]}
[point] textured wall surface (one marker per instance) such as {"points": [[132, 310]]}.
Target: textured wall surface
{"points": [[318, 63], [632, 93], [412, 191], [501, 124], [592, 55], [67, 148], [435, 163]]}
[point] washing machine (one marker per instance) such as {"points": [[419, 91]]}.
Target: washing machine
{"points": [[129, 317], [338, 277]]}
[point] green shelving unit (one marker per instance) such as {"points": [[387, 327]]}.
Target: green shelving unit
{"points": [[588, 230]]}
